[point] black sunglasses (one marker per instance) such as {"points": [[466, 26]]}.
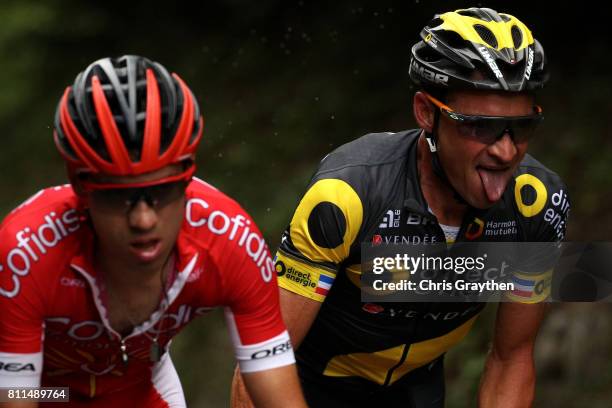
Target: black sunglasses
{"points": [[489, 129], [124, 199]]}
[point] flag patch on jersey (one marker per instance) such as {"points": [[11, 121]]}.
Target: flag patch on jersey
{"points": [[522, 287], [530, 288], [324, 284]]}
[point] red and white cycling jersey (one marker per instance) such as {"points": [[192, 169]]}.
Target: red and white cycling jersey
{"points": [[54, 328]]}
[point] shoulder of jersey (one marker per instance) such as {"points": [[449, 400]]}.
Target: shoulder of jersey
{"points": [[368, 164], [542, 199], [214, 198], [530, 165], [36, 235], [350, 187], [545, 187], [59, 204], [209, 212], [219, 226], [373, 149]]}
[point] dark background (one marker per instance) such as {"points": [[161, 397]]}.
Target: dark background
{"points": [[282, 83]]}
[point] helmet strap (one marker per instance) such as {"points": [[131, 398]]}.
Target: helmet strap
{"points": [[432, 142]]}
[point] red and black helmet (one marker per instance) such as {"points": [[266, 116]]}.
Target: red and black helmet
{"points": [[127, 116]]}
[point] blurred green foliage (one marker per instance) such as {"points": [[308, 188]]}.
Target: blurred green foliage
{"points": [[283, 83]]}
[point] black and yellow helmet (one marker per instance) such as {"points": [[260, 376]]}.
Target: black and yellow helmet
{"points": [[478, 48]]}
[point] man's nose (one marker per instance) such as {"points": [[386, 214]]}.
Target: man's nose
{"points": [[504, 148], [142, 216]]}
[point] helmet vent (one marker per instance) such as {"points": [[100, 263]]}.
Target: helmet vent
{"points": [[454, 40], [517, 36], [504, 17], [435, 22], [486, 35], [470, 13]]}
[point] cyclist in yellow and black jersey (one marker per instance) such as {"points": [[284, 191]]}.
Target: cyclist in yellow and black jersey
{"points": [[463, 176], [369, 191]]}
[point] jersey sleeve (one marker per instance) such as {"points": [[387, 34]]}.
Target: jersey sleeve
{"points": [[324, 226], [260, 339], [542, 199], [21, 313]]}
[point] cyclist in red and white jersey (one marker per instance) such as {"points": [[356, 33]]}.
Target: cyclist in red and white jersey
{"points": [[97, 277]]}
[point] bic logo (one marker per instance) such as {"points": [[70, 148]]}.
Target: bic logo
{"points": [[391, 219]]}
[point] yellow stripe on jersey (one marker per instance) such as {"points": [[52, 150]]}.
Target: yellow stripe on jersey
{"points": [[353, 272], [305, 279], [375, 366], [341, 195], [92, 386]]}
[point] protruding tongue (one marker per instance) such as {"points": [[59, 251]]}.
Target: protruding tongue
{"points": [[494, 183]]}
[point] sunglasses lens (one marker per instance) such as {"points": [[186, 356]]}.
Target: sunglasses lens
{"points": [[122, 199], [111, 200], [164, 194], [524, 129], [482, 131], [488, 130]]}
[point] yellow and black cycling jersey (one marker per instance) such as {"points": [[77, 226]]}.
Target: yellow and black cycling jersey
{"points": [[368, 191]]}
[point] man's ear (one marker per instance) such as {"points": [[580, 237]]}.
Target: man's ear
{"points": [[424, 111], [75, 182], [78, 189]]}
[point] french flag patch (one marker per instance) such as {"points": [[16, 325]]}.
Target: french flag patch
{"points": [[324, 284], [522, 287]]}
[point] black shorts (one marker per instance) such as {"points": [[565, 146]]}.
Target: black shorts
{"points": [[421, 388]]}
